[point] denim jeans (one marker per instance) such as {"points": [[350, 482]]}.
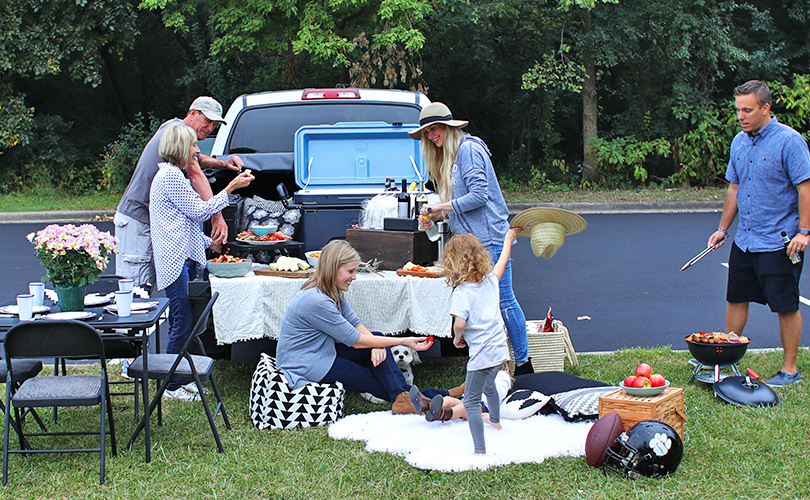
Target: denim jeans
{"points": [[180, 316], [511, 312], [354, 369]]}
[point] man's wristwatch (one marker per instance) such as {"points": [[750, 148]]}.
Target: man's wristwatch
{"points": [[805, 232]]}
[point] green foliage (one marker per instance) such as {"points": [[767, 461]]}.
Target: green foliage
{"points": [[796, 100], [618, 158], [15, 120], [560, 74], [121, 157], [702, 153]]}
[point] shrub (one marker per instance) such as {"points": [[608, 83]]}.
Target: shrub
{"points": [[121, 157]]}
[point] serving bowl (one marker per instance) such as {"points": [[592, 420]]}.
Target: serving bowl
{"points": [[644, 391], [229, 269], [312, 257], [263, 230]]}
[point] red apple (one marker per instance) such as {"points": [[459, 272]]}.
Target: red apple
{"points": [[658, 380], [643, 370], [628, 382], [642, 382]]}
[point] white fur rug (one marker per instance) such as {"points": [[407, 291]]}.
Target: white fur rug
{"points": [[448, 446]]}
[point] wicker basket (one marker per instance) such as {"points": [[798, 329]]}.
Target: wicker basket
{"points": [[548, 350]]}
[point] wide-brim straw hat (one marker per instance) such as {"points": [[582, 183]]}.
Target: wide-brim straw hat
{"points": [[435, 113], [547, 228]]}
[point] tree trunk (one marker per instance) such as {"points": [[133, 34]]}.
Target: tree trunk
{"points": [[590, 112]]}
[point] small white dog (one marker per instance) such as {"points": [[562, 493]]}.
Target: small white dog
{"points": [[404, 357]]}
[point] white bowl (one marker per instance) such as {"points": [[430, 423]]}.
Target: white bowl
{"points": [[313, 261]]}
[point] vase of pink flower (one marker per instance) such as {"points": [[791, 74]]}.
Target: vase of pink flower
{"points": [[73, 256]]}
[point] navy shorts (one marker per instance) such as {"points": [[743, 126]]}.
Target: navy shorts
{"points": [[765, 278]]}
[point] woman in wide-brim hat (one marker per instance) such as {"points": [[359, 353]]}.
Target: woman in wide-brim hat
{"points": [[462, 174]]}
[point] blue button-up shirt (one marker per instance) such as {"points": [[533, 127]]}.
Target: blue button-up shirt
{"points": [[767, 167]]}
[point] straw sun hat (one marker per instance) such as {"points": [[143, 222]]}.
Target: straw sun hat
{"points": [[435, 113], [547, 228]]}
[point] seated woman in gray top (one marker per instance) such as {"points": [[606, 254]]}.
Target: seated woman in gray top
{"points": [[323, 341]]}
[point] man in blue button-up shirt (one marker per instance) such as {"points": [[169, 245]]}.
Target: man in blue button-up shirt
{"points": [[769, 187]]}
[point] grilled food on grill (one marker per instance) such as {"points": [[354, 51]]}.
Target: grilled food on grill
{"points": [[718, 338]]}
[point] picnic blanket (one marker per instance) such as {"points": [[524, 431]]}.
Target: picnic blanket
{"points": [[448, 446]]}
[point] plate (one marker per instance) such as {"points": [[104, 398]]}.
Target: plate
{"points": [[644, 391], [261, 242], [136, 306], [94, 299], [70, 315], [13, 309]]}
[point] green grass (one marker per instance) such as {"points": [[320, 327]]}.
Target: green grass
{"points": [[730, 452], [49, 199]]}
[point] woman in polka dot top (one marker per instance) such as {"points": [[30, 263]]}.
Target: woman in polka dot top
{"points": [[175, 214]]}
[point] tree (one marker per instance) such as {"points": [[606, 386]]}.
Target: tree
{"points": [[373, 38]]}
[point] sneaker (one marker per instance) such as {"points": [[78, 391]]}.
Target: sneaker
{"points": [[125, 368], [192, 388], [181, 394], [782, 379]]}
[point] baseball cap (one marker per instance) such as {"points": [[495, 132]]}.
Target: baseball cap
{"points": [[209, 107]]}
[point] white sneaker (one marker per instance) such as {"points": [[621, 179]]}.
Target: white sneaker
{"points": [[181, 394], [125, 368], [192, 388]]}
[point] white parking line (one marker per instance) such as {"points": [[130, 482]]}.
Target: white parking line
{"points": [[803, 300]]}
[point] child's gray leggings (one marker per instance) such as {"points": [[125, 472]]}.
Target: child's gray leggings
{"points": [[481, 382]]}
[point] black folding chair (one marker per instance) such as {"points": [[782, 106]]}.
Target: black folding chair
{"points": [[23, 370], [183, 367], [57, 339]]}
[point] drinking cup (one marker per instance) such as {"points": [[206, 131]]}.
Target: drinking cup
{"points": [[123, 300], [37, 289], [126, 284], [25, 306]]}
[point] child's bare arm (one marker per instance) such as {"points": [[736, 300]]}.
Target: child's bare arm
{"points": [[458, 328], [500, 266]]}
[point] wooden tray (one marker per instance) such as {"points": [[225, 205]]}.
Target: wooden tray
{"points": [[402, 272], [284, 274]]}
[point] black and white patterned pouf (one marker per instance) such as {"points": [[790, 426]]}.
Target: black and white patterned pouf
{"points": [[274, 405]]}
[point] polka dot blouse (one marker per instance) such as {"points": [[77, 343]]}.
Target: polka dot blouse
{"points": [[175, 213]]}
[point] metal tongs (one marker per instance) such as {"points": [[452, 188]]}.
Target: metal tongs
{"points": [[702, 254]]}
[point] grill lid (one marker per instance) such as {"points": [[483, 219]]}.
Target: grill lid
{"points": [[746, 391]]}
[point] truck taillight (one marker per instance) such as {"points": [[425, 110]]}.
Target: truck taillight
{"points": [[331, 94]]}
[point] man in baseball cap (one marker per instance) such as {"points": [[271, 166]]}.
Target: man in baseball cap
{"points": [[134, 259]]}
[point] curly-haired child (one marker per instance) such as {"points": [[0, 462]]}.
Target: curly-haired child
{"points": [[475, 307]]}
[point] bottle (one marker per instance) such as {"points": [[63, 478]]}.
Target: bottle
{"points": [[387, 184], [796, 259], [421, 199], [433, 230], [403, 201]]}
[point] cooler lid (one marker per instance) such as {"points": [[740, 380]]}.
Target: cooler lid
{"points": [[357, 155]]}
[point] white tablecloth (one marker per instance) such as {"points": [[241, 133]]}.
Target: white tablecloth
{"points": [[252, 307]]}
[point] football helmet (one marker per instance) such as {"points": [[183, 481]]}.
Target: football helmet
{"points": [[649, 448]]}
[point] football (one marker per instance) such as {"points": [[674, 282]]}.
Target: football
{"points": [[603, 433]]}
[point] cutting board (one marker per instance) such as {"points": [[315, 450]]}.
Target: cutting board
{"points": [[284, 274], [402, 272]]}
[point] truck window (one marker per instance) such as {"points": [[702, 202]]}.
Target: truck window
{"points": [[272, 129]]}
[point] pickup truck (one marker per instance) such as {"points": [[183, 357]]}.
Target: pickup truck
{"points": [[261, 128]]}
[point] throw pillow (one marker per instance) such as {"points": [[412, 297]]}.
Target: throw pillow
{"points": [[580, 404], [523, 403]]}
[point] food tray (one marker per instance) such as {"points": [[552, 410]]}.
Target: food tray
{"points": [[666, 407], [426, 274], [306, 273]]}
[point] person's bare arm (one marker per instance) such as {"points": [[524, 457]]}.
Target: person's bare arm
{"points": [[219, 229], [799, 242], [729, 212]]}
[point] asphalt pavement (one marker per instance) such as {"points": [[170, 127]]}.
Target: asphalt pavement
{"points": [[615, 285]]}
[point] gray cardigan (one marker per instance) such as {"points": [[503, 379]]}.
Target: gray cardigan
{"points": [[478, 204]]}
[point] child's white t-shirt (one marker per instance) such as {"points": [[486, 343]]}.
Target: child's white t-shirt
{"points": [[479, 304]]}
